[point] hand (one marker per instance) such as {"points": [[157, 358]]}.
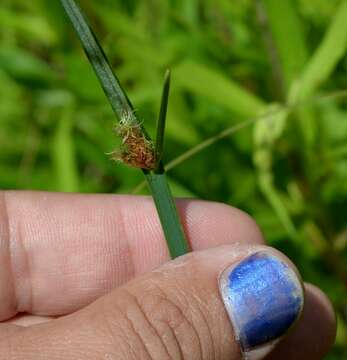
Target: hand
{"points": [[93, 276]]}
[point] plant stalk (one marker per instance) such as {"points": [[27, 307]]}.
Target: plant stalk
{"points": [[122, 107]]}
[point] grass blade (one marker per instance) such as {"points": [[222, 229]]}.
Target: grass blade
{"points": [[159, 186], [159, 144], [108, 80]]}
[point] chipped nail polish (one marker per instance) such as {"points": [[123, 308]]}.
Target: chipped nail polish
{"points": [[263, 297]]}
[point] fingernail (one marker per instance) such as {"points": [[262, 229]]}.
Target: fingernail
{"points": [[263, 297]]}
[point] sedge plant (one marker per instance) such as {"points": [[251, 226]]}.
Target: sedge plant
{"points": [[137, 148]]}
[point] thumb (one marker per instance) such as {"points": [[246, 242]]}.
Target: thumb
{"points": [[224, 303]]}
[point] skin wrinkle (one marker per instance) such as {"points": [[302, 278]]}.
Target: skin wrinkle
{"points": [[162, 299], [187, 305], [207, 326], [183, 305], [151, 325], [175, 327], [200, 307], [177, 343], [107, 323], [151, 305], [132, 327], [178, 348], [153, 284], [201, 348]]}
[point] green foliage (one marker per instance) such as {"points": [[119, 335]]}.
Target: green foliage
{"points": [[230, 61]]}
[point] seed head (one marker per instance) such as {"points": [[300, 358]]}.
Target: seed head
{"points": [[136, 149]]}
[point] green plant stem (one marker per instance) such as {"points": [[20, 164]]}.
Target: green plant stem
{"points": [[121, 105], [158, 184], [168, 214]]}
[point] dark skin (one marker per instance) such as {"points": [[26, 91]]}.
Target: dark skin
{"points": [[89, 277]]}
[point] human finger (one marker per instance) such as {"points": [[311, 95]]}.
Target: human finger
{"points": [[59, 252]]}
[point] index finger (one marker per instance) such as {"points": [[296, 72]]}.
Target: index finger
{"points": [[60, 252]]}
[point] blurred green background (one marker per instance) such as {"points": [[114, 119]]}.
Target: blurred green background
{"points": [[231, 61]]}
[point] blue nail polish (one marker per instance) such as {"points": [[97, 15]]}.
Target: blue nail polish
{"points": [[263, 297]]}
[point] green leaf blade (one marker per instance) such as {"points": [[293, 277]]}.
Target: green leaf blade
{"points": [[108, 80], [159, 144]]}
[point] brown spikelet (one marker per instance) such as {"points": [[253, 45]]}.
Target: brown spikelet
{"points": [[136, 150]]}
